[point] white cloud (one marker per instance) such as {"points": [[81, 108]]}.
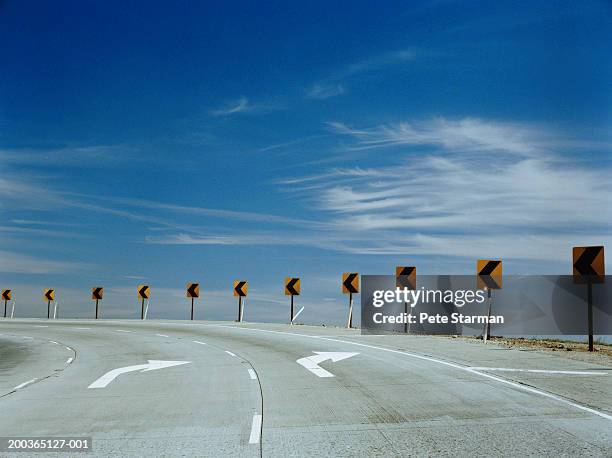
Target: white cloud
{"points": [[333, 86], [24, 264], [478, 184], [480, 187], [244, 105], [377, 62], [467, 135], [87, 156], [322, 91]]}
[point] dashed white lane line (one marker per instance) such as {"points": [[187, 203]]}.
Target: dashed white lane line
{"points": [[40, 326], [53, 342], [68, 348], [82, 329], [69, 360], [255, 429], [252, 374], [21, 385], [161, 335], [230, 353], [122, 330], [28, 337], [537, 371], [198, 342]]}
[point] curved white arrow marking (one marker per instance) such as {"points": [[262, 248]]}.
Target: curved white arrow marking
{"points": [[312, 362], [152, 365]]}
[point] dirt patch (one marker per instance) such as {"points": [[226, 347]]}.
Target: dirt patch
{"points": [[552, 345]]}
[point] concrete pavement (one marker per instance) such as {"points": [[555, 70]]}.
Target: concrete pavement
{"points": [[398, 396]]}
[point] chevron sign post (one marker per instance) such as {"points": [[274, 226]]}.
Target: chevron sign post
{"points": [[589, 267], [241, 288], [193, 291], [292, 288], [350, 286], [50, 296], [405, 277], [144, 291], [6, 296], [97, 293], [489, 277]]}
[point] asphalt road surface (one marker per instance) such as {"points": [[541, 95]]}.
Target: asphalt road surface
{"points": [[223, 389]]}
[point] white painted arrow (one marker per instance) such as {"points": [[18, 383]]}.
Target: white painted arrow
{"points": [[312, 362], [152, 365]]}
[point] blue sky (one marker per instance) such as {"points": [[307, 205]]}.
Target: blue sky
{"points": [[160, 144]]}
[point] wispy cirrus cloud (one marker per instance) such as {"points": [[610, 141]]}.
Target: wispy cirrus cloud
{"points": [[375, 63], [12, 262], [243, 105], [457, 188], [466, 135], [461, 185], [453, 187], [70, 156], [322, 91], [335, 84]]}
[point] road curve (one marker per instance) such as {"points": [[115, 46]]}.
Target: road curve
{"points": [[242, 393]]}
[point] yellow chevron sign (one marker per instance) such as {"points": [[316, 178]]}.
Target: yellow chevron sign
{"points": [[50, 294], [350, 282], [292, 286], [144, 291], [241, 288], [97, 293], [193, 290], [489, 274], [405, 277]]}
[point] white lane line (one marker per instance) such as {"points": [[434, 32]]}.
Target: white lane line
{"points": [[255, 429], [230, 353], [252, 374], [82, 328], [438, 361], [122, 330], [21, 385], [69, 360], [537, 371], [198, 342], [28, 337], [40, 326], [54, 342], [68, 348], [161, 335]]}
